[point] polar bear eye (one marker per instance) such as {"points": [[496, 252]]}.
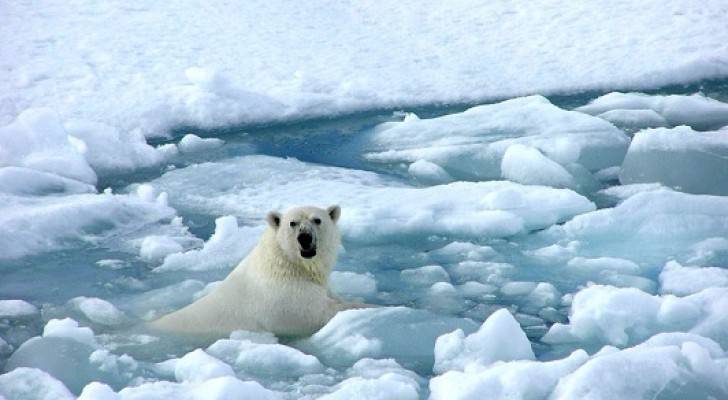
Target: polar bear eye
{"points": [[317, 221], [293, 224]]}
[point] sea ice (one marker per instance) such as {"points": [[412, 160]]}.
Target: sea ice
{"points": [[32, 384], [98, 310], [405, 334], [500, 338], [191, 143], [685, 280], [626, 316], [471, 145], [245, 186], [198, 366], [224, 249], [64, 221], [697, 111], [17, 309], [524, 164], [680, 158], [265, 360]]}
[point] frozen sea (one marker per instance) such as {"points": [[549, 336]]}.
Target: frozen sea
{"points": [[526, 235]]}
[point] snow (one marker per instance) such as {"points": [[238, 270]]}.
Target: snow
{"points": [[697, 111], [500, 338], [681, 158], [351, 56], [16, 309], [524, 164], [247, 186], [471, 144]]}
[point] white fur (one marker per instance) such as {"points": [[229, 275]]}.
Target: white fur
{"points": [[274, 288]]}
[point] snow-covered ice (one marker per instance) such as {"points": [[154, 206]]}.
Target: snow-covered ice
{"points": [[266, 64]]}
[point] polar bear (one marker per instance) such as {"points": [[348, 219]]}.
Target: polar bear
{"points": [[280, 287]]}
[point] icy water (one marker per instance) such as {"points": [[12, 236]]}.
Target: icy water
{"points": [[457, 275]]}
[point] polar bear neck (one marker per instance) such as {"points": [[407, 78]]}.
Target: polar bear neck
{"points": [[277, 265]]}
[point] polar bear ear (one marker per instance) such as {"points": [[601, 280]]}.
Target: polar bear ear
{"points": [[274, 219], [334, 213]]}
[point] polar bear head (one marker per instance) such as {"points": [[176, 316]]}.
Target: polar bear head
{"points": [[308, 236]]}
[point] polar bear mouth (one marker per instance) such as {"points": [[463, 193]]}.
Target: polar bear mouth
{"points": [[308, 253]]}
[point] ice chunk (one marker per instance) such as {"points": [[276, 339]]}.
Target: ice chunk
{"points": [[679, 280], [191, 143], [157, 247], [620, 193], [686, 160], [471, 144], [98, 310], [596, 265], [681, 371], [425, 276], [265, 360], [508, 380], [459, 251], [404, 334], [221, 388], [246, 185], [73, 362], [624, 316], [662, 221], [500, 338], [352, 284], [109, 151], [37, 140], [697, 111], [524, 164], [98, 391], [634, 120], [68, 328], [428, 172], [198, 366], [26, 181], [63, 221], [389, 386], [16, 309], [225, 248], [32, 384]]}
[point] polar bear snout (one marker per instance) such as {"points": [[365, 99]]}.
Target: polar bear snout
{"points": [[308, 244], [305, 239]]}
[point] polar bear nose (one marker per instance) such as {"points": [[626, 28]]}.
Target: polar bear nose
{"points": [[305, 240]]}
